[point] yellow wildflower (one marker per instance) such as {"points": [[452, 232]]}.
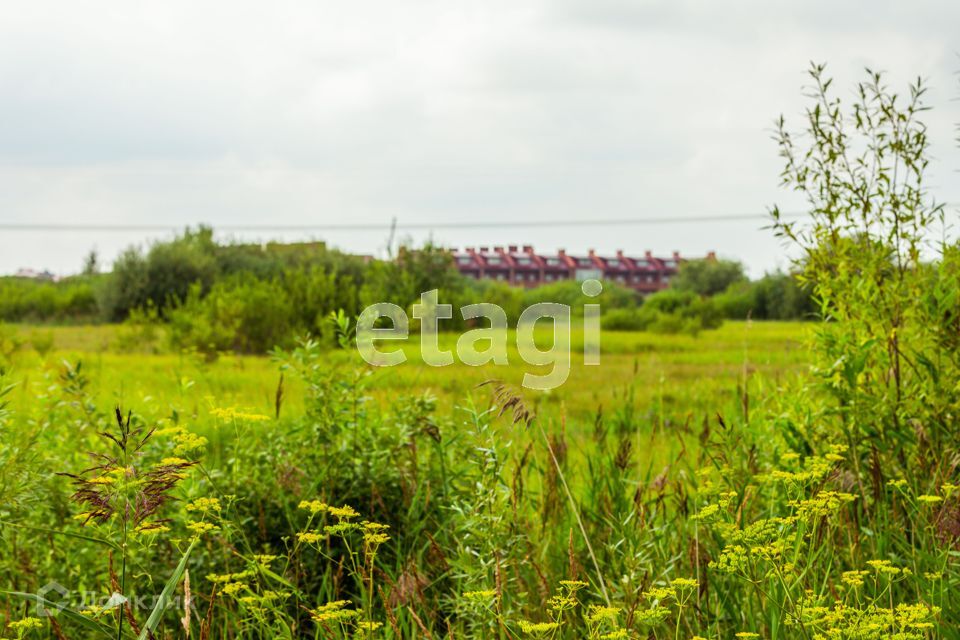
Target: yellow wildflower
{"points": [[202, 527], [313, 506], [310, 537], [26, 624], [204, 505], [537, 627], [345, 512]]}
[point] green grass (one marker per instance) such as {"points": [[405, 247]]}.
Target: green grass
{"points": [[605, 486], [686, 376]]}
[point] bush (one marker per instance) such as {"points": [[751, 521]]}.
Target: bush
{"points": [[668, 311], [244, 315], [27, 300], [614, 296], [625, 320], [708, 277], [776, 296]]}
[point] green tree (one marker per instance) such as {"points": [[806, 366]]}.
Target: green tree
{"points": [[882, 357], [709, 276]]}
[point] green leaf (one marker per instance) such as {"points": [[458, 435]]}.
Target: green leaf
{"points": [[164, 598], [69, 534]]}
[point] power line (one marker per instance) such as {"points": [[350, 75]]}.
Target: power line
{"points": [[106, 228]]}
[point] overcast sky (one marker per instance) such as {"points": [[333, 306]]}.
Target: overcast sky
{"points": [[314, 113]]}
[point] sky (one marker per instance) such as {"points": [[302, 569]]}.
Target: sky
{"points": [[122, 115]]}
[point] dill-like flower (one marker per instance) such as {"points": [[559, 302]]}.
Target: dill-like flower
{"points": [[854, 578], [341, 528], [707, 512], [263, 559], [537, 627], [484, 594], [334, 612], [345, 512], [375, 539], [310, 537], [313, 506], [233, 588], [823, 504], [151, 528], [928, 499], [681, 584], [231, 414], [201, 528], [658, 593], [188, 442], [598, 613], [652, 616], [204, 505], [573, 585], [26, 624], [369, 625], [884, 566]]}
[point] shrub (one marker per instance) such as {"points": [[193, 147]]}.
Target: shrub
{"points": [[27, 300], [244, 315], [708, 277]]}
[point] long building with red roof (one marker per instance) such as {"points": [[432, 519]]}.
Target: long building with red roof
{"points": [[524, 267]]}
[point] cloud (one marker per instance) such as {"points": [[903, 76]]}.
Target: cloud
{"points": [[295, 113]]}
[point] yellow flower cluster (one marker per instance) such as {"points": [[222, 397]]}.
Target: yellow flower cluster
{"points": [[538, 628], [220, 578], [233, 588], [263, 559], [230, 414], [313, 506], [886, 567], [873, 622], [597, 613], [150, 528], [201, 528], [823, 504], [369, 625], [854, 578], [187, 442], [204, 505], [26, 624], [345, 512], [334, 612], [310, 537]]}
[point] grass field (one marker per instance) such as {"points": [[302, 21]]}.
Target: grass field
{"points": [[683, 375], [640, 481]]}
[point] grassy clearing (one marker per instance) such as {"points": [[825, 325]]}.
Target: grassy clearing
{"points": [[683, 374]]}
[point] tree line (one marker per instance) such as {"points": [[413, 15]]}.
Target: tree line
{"points": [[218, 296]]}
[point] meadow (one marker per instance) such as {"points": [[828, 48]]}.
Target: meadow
{"points": [[660, 389], [749, 480], [681, 373], [308, 494]]}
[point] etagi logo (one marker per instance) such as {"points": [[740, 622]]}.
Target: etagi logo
{"points": [[494, 337]]}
